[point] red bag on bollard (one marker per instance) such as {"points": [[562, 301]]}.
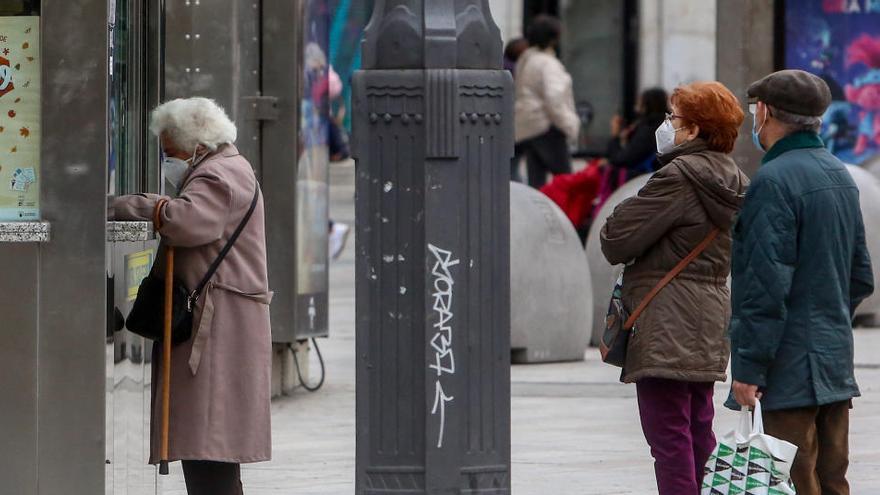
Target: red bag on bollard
{"points": [[576, 193]]}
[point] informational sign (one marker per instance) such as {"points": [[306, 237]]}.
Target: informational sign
{"points": [[137, 267], [19, 118], [839, 40]]}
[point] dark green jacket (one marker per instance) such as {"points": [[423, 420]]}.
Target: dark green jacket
{"points": [[800, 268]]}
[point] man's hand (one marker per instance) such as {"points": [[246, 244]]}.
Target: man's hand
{"points": [[745, 394]]}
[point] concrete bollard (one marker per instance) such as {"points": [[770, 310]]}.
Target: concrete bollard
{"points": [[869, 197], [872, 165], [551, 300]]}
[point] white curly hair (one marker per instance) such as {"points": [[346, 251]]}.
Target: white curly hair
{"points": [[189, 122]]}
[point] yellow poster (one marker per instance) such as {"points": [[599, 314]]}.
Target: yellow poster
{"points": [[19, 118], [137, 267]]}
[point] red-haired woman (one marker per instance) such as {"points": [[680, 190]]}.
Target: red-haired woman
{"points": [[679, 347]]}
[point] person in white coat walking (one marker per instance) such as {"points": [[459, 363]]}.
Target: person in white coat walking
{"points": [[546, 120]]}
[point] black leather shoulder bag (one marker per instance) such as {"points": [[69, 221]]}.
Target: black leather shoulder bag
{"points": [[147, 318]]}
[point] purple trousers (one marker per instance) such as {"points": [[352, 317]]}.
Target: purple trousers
{"points": [[677, 419]]}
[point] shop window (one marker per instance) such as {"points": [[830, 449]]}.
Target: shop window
{"points": [[134, 89]]}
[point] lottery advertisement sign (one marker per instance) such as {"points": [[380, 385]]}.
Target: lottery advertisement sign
{"points": [[19, 118]]}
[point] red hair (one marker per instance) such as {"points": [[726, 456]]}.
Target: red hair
{"points": [[714, 108]]}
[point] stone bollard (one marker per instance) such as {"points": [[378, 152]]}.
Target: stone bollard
{"points": [[872, 165], [433, 138], [869, 197], [551, 300]]}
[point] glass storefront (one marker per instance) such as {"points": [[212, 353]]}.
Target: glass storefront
{"points": [[134, 90], [135, 87], [312, 173]]}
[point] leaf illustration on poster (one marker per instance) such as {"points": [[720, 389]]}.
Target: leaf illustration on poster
{"points": [[19, 118], [839, 40]]}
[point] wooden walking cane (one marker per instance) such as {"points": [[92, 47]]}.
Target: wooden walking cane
{"points": [[166, 345], [166, 360]]}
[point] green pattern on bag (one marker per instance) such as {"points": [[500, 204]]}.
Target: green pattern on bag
{"points": [[742, 470], [752, 483], [757, 454], [725, 451]]}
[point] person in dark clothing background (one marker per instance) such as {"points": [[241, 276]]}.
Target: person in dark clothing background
{"points": [[635, 148]]}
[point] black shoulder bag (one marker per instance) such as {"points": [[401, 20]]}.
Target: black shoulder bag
{"points": [[147, 318]]}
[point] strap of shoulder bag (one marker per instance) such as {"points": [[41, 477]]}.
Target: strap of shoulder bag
{"points": [[197, 292], [631, 321]]}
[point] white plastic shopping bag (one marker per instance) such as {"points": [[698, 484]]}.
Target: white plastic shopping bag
{"points": [[749, 462]]}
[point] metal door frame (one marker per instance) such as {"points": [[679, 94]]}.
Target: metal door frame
{"points": [[281, 34]]}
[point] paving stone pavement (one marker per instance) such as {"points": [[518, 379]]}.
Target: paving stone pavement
{"points": [[575, 428]]}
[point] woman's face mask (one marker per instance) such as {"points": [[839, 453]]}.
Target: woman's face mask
{"points": [[665, 136], [175, 169]]}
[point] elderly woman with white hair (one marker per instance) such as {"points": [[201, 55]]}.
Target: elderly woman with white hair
{"points": [[221, 376]]}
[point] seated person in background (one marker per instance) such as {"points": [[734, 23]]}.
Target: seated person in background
{"points": [[635, 148]]}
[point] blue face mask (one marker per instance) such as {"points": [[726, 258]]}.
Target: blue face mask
{"points": [[756, 131]]}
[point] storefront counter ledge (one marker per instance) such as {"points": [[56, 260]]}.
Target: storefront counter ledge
{"points": [[24, 231], [130, 231]]}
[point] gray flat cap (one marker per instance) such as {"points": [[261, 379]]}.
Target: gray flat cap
{"points": [[794, 91]]}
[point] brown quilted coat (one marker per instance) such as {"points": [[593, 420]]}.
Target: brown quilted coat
{"points": [[682, 335]]}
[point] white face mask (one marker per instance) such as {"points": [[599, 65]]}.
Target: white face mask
{"points": [[174, 170], [665, 135]]}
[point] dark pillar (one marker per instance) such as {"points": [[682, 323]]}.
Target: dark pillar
{"points": [[433, 137], [745, 54]]}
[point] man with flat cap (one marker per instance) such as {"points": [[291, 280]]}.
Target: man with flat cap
{"points": [[800, 269]]}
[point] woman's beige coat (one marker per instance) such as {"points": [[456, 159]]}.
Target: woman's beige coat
{"points": [[544, 96], [221, 377]]}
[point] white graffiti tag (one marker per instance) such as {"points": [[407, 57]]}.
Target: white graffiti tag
{"points": [[440, 400], [441, 342]]}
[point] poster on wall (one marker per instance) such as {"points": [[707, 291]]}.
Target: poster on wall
{"points": [[19, 118], [839, 40], [346, 30]]}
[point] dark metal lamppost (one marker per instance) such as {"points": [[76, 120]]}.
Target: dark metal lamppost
{"points": [[433, 138]]}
